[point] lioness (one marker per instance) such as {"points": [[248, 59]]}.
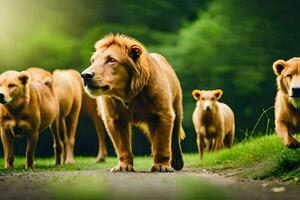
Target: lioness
{"points": [[213, 121], [141, 88], [68, 88], [27, 108], [287, 102]]}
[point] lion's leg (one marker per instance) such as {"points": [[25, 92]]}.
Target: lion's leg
{"points": [[288, 140], [200, 145], [229, 139], [160, 134], [102, 152], [8, 147], [219, 141], [71, 123], [120, 132], [59, 152], [30, 148], [63, 134], [208, 144]]}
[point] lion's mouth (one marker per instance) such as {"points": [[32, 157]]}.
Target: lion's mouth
{"points": [[2, 101], [97, 87]]}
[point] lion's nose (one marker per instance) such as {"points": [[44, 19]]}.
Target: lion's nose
{"points": [[296, 92], [87, 77]]}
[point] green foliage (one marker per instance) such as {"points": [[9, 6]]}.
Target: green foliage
{"points": [[260, 157], [232, 46]]}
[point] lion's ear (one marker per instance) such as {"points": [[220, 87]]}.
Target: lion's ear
{"points": [[278, 66], [196, 94], [218, 93], [135, 52], [24, 77]]}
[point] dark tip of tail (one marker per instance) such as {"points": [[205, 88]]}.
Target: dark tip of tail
{"points": [[177, 163]]}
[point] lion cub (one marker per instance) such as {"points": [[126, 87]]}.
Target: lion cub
{"points": [[26, 108], [213, 121], [287, 103]]}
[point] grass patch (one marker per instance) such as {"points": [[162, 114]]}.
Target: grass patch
{"points": [[82, 163], [193, 188], [261, 157]]}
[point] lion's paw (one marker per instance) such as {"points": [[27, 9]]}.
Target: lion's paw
{"points": [[161, 168], [100, 159], [69, 161], [292, 143], [123, 168]]}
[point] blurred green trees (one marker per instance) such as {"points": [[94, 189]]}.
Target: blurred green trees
{"points": [[211, 44], [232, 46]]}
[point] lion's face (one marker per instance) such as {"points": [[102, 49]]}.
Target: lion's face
{"points": [[207, 99], [288, 79], [115, 69], [12, 84], [109, 73]]}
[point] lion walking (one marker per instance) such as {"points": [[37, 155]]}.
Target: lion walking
{"points": [[137, 88]]}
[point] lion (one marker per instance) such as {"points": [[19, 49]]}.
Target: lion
{"points": [[68, 88], [27, 108], [287, 102], [213, 121], [73, 103], [137, 88]]}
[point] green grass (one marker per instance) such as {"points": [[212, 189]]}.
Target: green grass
{"points": [[261, 157], [82, 163]]}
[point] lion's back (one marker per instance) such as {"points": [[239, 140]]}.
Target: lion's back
{"points": [[169, 73]]}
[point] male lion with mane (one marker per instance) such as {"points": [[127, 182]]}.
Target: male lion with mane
{"points": [[140, 88]]}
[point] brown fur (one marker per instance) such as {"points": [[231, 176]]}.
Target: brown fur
{"points": [[29, 107], [68, 89], [139, 88], [287, 107], [213, 121]]}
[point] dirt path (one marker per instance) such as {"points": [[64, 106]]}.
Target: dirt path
{"points": [[144, 185]]}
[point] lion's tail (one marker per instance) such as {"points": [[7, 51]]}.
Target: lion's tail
{"points": [[177, 160], [181, 134]]}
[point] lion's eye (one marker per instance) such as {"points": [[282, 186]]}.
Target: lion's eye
{"points": [[12, 85], [202, 98], [289, 75], [111, 60]]}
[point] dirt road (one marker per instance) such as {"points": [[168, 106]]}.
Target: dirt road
{"points": [[142, 185]]}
